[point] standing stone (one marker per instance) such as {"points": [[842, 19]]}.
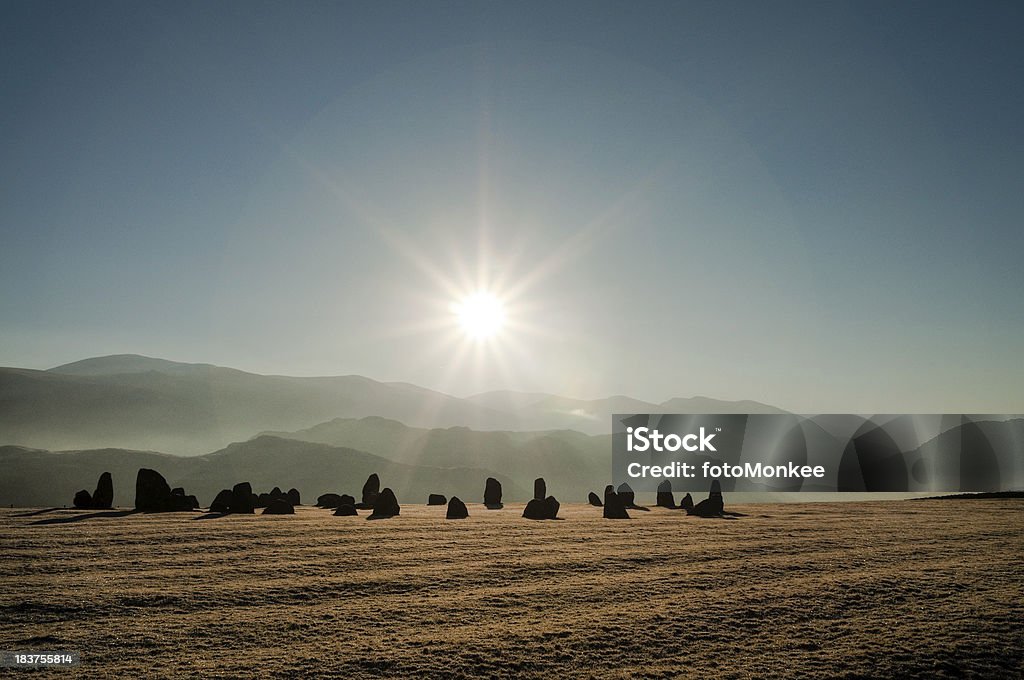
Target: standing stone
{"points": [[686, 503], [609, 489], [279, 506], [492, 494], [222, 503], [386, 504], [242, 500], [193, 502], [456, 509], [346, 510], [538, 508], [540, 488], [628, 497], [716, 498], [614, 506], [331, 500], [178, 491], [152, 493], [293, 497], [277, 493], [665, 497], [436, 499], [594, 500], [83, 500], [103, 497], [371, 490], [263, 500]]}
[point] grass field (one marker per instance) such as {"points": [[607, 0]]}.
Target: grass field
{"points": [[917, 589]]}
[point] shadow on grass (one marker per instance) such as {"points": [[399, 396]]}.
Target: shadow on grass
{"points": [[39, 512], [92, 515], [212, 515]]}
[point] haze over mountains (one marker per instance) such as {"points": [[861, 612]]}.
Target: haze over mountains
{"points": [[135, 402]]}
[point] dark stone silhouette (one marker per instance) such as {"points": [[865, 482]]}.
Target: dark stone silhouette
{"points": [[492, 494], [385, 504], [609, 489], [331, 500], [222, 503], [665, 497], [540, 488], [83, 500], [347, 499], [103, 496], [371, 491], [594, 500], [242, 501], [626, 492], [614, 506], [436, 499], [542, 509], [193, 502], [152, 493], [346, 510], [456, 509], [178, 491], [279, 506], [277, 493], [686, 503], [293, 497], [713, 505], [263, 500], [629, 498]]}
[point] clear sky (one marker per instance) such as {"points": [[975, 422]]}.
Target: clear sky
{"points": [[817, 205]]}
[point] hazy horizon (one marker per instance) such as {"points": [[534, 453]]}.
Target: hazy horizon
{"points": [[812, 206]]}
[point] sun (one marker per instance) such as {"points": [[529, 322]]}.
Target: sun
{"points": [[480, 315]]}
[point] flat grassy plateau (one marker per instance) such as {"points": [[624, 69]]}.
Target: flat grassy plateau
{"points": [[901, 589]]}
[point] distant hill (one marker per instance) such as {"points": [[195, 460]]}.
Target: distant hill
{"points": [[136, 402], [43, 478], [571, 462]]}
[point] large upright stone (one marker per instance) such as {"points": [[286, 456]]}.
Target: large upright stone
{"points": [[436, 499], [713, 505], [346, 510], [103, 497], [294, 498], [594, 500], [686, 503], [665, 497], [371, 490], [456, 509], [242, 500], [614, 506], [492, 494], [152, 493], [331, 500], [540, 488], [385, 505]]}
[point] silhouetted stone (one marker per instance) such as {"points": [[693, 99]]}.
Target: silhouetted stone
{"points": [[713, 505], [540, 488], [277, 493], [193, 502], [242, 501], [181, 503], [609, 489], [346, 510], [347, 499], [436, 499], [594, 500], [665, 497], [614, 506], [492, 494], [152, 493], [83, 500], [371, 491], [279, 506], [293, 497], [626, 492], [178, 491], [222, 503], [263, 500], [456, 509], [386, 505], [330, 500], [103, 496], [686, 503], [546, 508]]}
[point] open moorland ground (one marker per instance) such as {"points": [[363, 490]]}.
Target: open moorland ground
{"points": [[918, 589]]}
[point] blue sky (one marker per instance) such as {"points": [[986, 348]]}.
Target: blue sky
{"points": [[816, 205]]}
